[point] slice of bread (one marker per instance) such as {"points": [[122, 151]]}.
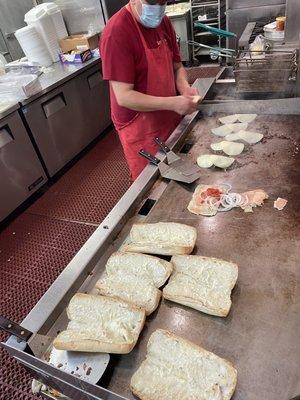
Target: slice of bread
{"points": [[135, 290], [100, 324], [176, 369], [165, 238], [135, 278], [202, 283], [154, 269]]}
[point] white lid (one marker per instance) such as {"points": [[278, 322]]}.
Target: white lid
{"points": [[51, 8], [34, 15]]}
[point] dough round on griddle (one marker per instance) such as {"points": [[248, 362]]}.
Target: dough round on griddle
{"points": [[251, 137], [222, 130], [229, 148], [237, 127], [246, 118], [223, 162], [229, 119], [206, 160]]}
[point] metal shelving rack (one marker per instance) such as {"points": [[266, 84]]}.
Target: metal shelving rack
{"points": [[215, 11]]}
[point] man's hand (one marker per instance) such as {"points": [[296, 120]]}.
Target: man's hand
{"points": [[190, 91], [184, 105]]}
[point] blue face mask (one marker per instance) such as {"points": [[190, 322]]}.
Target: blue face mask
{"points": [[152, 15]]}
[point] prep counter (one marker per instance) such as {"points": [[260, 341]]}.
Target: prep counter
{"points": [[260, 335], [70, 111], [41, 134]]}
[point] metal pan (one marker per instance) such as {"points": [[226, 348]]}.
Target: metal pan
{"points": [[167, 171], [87, 366]]}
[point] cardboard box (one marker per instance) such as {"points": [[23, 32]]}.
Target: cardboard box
{"points": [[75, 42], [77, 58]]}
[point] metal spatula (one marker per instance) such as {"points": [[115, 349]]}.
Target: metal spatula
{"points": [[87, 366], [167, 171], [186, 167]]}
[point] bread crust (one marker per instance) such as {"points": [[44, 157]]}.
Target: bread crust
{"points": [[168, 266], [95, 346], [148, 310], [159, 249], [190, 301], [165, 248], [199, 349]]}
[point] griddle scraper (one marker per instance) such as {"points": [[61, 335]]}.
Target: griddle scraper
{"points": [[167, 171], [184, 166]]}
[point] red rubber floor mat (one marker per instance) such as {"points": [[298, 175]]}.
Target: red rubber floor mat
{"points": [[198, 72], [39, 244]]}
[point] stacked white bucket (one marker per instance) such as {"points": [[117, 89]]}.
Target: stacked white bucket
{"points": [[45, 27], [33, 45]]}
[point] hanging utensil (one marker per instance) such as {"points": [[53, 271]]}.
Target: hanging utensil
{"points": [[167, 171], [184, 166], [86, 366]]}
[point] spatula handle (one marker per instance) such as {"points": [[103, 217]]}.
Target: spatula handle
{"points": [[149, 157], [14, 329], [162, 145]]}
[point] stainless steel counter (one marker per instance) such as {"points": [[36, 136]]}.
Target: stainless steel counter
{"points": [[5, 111], [61, 73]]}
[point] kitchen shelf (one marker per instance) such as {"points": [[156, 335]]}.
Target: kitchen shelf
{"points": [[198, 7]]}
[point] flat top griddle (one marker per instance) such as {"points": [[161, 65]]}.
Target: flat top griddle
{"points": [[261, 334]]}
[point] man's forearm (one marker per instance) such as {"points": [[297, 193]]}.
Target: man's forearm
{"points": [[142, 102], [181, 80]]}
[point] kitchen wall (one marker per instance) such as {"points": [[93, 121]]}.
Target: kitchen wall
{"points": [[12, 18]]}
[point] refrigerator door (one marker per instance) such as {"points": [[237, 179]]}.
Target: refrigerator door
{"points": [[21, 172], [64, 121]]}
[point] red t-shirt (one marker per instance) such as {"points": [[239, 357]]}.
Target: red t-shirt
{"points": [[123, 56]]}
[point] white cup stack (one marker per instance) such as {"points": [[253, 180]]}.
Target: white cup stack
{"points": [[54, 11], [33, 45], [43, 23]]}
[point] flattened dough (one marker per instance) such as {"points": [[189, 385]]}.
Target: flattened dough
{"points": [[246, 136], [208, 160], [232, 137], [229, 148], [251, 137], [223, 162], [237, 126], [222, 130], [229, 119], [246, 117]]}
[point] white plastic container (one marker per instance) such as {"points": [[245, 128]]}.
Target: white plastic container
{"points": [[43, 23], [272, 34], [54, 11], [82, 16], [33, 45]]}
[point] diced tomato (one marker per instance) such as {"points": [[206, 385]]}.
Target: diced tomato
{"points": [[210, 192]]}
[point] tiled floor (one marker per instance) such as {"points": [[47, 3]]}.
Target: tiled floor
{"points": [[39, 243]]}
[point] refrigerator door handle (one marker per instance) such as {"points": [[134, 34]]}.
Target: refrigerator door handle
{"points": [[5, 136], [54, 105], [95, 79]]}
